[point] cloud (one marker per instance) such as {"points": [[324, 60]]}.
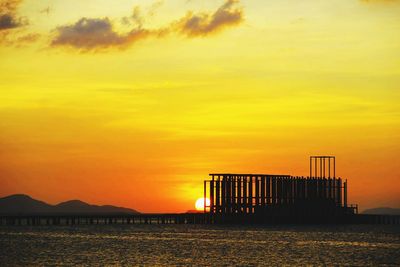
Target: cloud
{"points": [[46, 10], [28, 38], [154, 7], [202, 24], [380, 1], [99, 34], [95, 34], [8, 16], [8, 22], [9, 6], [136, 18]]}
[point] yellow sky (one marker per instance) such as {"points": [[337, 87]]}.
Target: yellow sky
{"points": [[133, 103]]}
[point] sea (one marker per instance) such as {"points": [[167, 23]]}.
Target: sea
{"points": [[200, 245]]}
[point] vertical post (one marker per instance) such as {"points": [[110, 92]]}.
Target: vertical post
{"points": [[212, 182], [316, 166], [263, 190], [283, 190], [292, 189], [257, 190], [334, 167], [329, 167], [311, 166], [234, 193], [320, 167], [345, 193], [218, 196], [339, 192], [329, 188], [268, 190], [205, 195], [223, 194], [245, 181], [228, 194], [279, 190], [250, 201], [239, 194], [334, 189], [274, 190]]}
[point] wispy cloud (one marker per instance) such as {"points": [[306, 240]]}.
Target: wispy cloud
{"points": [[8, 15], [95, 34], [380, 1], [99, 34], [202, 24], [10, 22], [154, 7]]}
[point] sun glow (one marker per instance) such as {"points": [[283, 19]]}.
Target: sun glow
{"points": [[200, 203]]}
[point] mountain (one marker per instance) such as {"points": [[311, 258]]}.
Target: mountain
{"points": [[24, 205], [194, 211], [77, 206], [21, 204], [382, 211]]}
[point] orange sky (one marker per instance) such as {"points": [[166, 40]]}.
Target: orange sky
{"points": [[133, 103]]}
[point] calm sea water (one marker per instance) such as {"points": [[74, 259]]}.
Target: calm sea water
{"points": [[188, 245]]}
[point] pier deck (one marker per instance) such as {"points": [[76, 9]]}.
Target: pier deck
{"points": [[185, 218], [84, 219]]}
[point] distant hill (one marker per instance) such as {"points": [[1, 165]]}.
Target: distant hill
{"points": [[21, 204], [25, 205], [382, 211], [194, 211], [77, 206]]}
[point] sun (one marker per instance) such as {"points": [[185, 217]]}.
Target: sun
{"points": [[200, 204]]}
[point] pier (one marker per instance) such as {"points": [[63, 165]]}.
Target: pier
{"points": [[320, 198], [82, 219], [182, 218], [269, 197]]}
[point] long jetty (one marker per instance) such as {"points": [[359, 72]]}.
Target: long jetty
{"points": [[170, 218], [93, 219]]}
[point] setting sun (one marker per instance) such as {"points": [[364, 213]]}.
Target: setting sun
{"points": [[200, 203]]}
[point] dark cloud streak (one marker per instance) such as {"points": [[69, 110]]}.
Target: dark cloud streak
{"points": [[7, 21], [202, 24], [8, 15], [95, 34], [380, 1]]}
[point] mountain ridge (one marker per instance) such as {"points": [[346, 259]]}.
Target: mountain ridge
{"points": [[382, 211], [21, 204]]}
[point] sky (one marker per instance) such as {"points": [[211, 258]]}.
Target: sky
{"points": [[132, 102]]}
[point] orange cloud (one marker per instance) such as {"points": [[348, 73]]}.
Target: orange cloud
{"points": [[202, 24], [95, 34]]}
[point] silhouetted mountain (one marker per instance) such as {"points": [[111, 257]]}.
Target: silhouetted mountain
{"points": [[23, 204], [382, 211], [77, 206], [194, 211]]}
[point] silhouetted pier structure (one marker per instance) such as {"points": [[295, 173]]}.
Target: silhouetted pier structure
{"points": [[246, 198], [165, 219], [109, 219], [269, 198]]}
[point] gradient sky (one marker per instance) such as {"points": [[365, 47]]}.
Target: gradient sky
{"points": [[133, 102]]}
